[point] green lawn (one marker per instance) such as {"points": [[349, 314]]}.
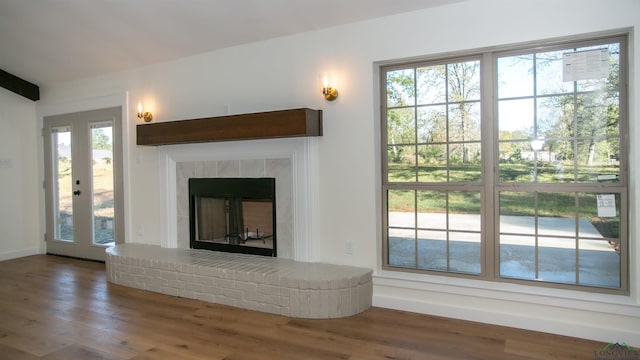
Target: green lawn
{"points": [[102, 201], [551, 204]]}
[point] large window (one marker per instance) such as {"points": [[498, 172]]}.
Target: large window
{"points": [[509, 165]]}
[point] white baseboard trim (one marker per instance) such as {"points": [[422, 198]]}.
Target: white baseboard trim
{"points": [[605, 332], [8, 255]]}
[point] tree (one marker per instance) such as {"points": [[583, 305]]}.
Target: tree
{"points": [[100, 140], [400, 122], [464, 86], [587, 110], [457, 84], [593, 113]]}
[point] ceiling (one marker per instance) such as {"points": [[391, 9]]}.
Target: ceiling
{"points": [[50, 41]]}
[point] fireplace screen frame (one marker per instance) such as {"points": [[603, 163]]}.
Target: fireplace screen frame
{"points": [[233, 190]]}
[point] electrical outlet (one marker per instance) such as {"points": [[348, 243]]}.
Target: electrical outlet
{"points": [[348, 247], [141, 230]]}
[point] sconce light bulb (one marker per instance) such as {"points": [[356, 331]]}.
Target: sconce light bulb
{"points": [[329, 92], [146, 115]]}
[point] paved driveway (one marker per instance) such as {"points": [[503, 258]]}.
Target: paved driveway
{"points": [[590, 262]]}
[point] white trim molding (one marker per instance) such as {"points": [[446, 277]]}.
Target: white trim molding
{"points": [[600, 317], [20, 253]]}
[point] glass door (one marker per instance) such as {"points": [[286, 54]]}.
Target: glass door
{"points": [[83, 183]]}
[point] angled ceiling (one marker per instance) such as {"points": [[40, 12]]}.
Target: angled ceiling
{"points": [[49, 41]]}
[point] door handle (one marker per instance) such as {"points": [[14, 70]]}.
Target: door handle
{"points": [[77, 192]]}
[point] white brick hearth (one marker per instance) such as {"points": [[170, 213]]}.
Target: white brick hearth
{"points": [[274, 285]]}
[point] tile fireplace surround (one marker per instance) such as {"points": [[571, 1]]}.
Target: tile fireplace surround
{"points": [[292, 162]]}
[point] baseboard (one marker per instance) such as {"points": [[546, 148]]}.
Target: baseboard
{"points": [[535, 322], [8, 255]]}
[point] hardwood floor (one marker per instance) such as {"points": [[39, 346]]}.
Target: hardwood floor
{"points": [[59, 308]]}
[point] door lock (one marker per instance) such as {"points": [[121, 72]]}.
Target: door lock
{"points": [[77, 192]]}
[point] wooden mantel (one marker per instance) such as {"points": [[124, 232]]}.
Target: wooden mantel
{"points": [[263, 125]]}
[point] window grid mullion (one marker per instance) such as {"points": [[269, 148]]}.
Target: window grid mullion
{"points": [[577, 237]]}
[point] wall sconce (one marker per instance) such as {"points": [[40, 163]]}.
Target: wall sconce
{"points": [[147, 116], [330, 93]]}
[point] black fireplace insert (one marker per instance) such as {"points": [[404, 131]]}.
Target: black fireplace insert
{"points": [[233, 215]]}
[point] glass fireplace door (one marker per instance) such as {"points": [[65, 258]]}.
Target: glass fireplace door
{"points": [[233, 215]]}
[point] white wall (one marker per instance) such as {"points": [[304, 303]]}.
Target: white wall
{"points": [[284, 73], [20, 233]]}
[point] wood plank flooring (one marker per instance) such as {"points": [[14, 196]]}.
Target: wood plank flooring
{"points": [[60, 308]]}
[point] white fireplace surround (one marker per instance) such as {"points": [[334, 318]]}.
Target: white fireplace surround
{"points": [[303, 156]]}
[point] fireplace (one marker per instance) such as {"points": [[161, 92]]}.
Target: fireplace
{"points": [[233, 215], [292, 162]]}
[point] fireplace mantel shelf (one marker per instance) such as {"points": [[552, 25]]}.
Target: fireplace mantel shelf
{"points": [[263, 125]]}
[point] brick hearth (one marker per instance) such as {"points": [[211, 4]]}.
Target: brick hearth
{"points": [[273, 285]]}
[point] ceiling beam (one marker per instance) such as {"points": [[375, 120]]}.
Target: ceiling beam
{"points": [[19, 86]]}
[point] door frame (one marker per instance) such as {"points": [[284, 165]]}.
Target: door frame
{"points": [[58, 108]]}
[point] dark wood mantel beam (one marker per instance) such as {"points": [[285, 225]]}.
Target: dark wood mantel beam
{"points": [[263, 125], [19, 86]]}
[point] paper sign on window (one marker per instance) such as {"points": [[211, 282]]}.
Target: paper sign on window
{"points": [[584, 65], [606, 205]]}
